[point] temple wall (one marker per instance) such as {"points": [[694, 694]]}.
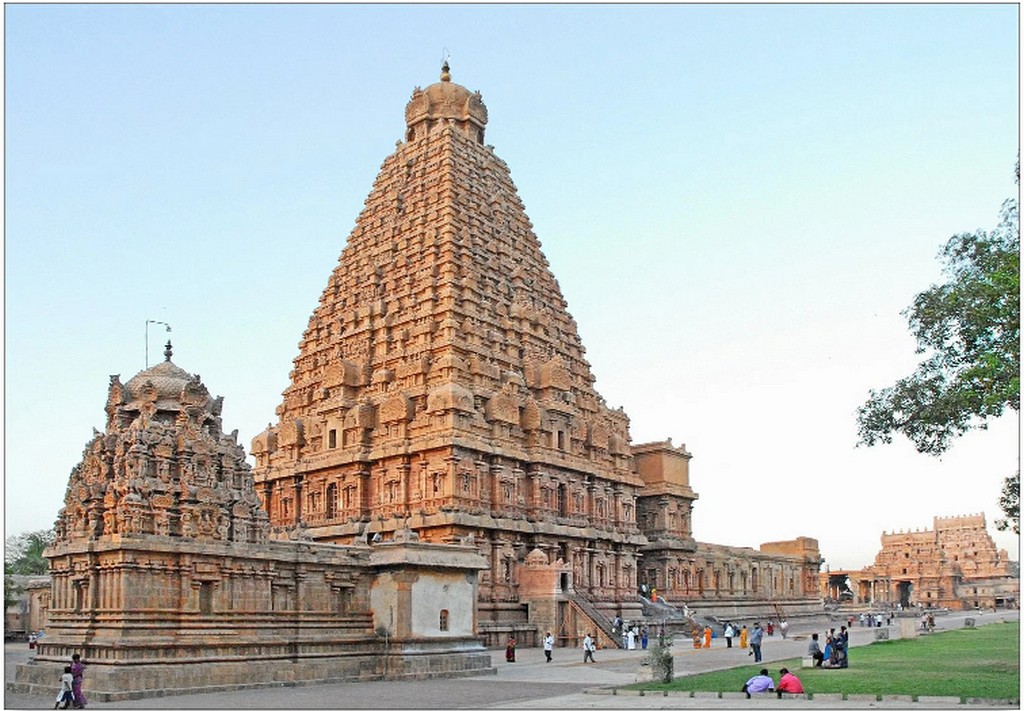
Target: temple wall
{"points": [[710, 572], [443, 596], [142, 610]]}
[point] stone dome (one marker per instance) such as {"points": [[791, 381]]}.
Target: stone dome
{"points": [[442, 103], [167, 380]]}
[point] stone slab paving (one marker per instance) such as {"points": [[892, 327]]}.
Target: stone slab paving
{"points": [[531, 683]]}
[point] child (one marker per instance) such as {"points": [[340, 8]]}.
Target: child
{"points": [[65, 696]]}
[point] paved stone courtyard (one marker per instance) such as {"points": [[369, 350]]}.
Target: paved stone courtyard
{"points": [[530, 683]]}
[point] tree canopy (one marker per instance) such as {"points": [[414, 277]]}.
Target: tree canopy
{"points": [[1009, 502], [23, 554], [969, 330]]}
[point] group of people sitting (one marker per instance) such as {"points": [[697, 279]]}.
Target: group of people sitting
{"points": [[763, 683], [834, 656]]}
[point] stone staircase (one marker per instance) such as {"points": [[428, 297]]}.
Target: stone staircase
{"points": [[606, 636]]}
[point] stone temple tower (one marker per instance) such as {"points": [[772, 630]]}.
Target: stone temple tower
{"points": [[165, 579], [162, 467], [441, 383]]}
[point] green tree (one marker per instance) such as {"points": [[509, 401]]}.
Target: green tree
{"points": [[969, 330], [23, 554], [12, 591], [1009, 502]]}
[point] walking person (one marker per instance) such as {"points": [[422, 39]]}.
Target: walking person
{"points": [[77, 677], [744, 634], [728, 634], [756, 637], [783, 628], [588, 648], [510, 650], [549, 644], [65, 695]]}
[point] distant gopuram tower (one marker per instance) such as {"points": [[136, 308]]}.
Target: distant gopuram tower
{"points": [[441, 383]]}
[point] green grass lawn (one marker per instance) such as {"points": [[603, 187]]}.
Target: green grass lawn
{"points": [[981, 662]]}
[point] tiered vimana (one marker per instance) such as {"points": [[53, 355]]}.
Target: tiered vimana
{"points": [[441, 383]]}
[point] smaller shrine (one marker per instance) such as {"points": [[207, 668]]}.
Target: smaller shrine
{"points": [[955, 565], [165, 580]]}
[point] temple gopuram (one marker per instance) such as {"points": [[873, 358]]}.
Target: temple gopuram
{"points": [[954, 565], [441, 387]]}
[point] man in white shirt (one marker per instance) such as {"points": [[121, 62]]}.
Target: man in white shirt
{"points": [[588, 648]]}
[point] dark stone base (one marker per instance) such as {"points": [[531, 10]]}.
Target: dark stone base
{"points": [[128, 681]]}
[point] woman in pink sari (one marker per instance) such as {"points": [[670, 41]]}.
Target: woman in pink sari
{"points": [[77, 674]]}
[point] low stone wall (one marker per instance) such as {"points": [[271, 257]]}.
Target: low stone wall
{"points": [[495, 634], [370, 662], [740, 610]]}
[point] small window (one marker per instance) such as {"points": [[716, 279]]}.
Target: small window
{"points": [[332, 438], [443, 621], [332, 500]]}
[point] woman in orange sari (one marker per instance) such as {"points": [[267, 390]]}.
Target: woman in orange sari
{"points": [[743, 637]]}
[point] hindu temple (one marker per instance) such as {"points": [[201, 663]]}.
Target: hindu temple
{"points": [[441, 386], [442, 473], [954, 564], [164, 577]]}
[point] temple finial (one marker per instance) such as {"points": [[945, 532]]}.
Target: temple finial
{"points": [[167, 350], [445, 74]]}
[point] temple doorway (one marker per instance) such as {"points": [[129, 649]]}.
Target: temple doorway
{"points": [[904, 589]]}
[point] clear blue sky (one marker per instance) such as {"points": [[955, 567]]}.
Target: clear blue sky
{"points": [[738, 202]]}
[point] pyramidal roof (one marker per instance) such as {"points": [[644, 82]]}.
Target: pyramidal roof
{"points": [[442, 322]]}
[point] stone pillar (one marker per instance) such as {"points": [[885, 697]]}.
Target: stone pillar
{"points": [[403, 613], [404, 470], [298, 500], [534, 500], [363, 490]]}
